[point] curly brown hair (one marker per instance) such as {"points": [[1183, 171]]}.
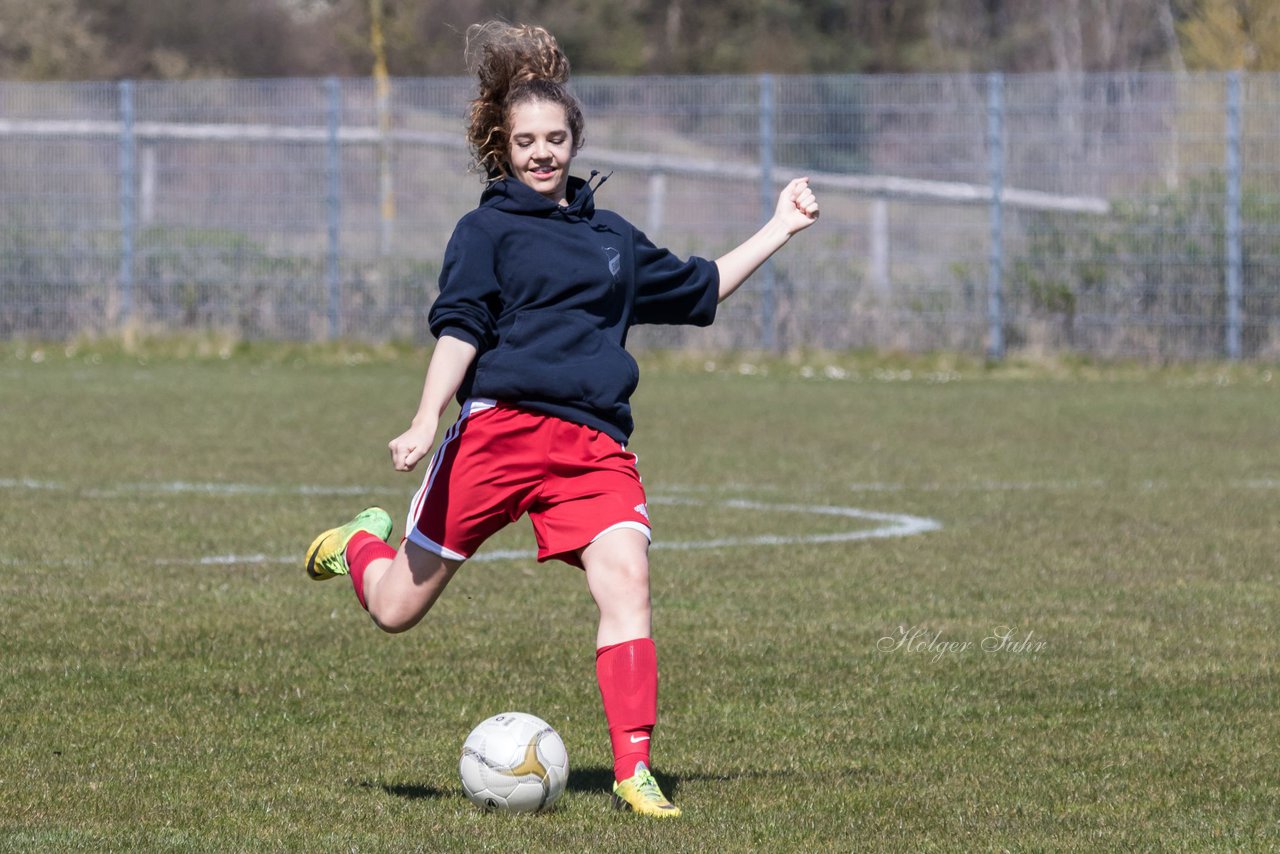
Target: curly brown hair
{"points": [[514, 65]]}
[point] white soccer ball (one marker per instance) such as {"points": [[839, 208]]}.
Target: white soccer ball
{"points": [[514, 762]]}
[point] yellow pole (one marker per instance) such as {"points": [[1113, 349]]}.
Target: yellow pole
{"points": [[382, 90]]}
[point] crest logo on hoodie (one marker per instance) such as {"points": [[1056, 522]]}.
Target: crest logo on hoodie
{"points": [[615, 261]]}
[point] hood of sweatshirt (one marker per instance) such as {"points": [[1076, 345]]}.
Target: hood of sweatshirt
{"points": [[510, 195]]}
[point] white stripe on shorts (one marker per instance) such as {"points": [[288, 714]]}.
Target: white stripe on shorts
{"points": [[471, 407], [633, 526], [423, 542]]}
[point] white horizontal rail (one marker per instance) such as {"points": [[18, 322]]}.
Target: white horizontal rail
{"points": [[873, 185], [220, 132]]}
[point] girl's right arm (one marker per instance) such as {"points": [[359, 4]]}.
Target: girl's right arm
{"points": [[449, 363], [797, 209]]}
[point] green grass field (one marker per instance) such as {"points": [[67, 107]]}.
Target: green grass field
{"points": [[170, 680]]}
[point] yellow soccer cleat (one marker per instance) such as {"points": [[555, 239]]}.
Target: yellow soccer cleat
{"points": [[640, 794], [327, 555]]}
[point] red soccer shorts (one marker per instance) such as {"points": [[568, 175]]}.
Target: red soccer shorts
{"points": [[499, 462]]}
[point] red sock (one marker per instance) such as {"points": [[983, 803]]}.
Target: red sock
{"points": [[628, 677], [363, 549]]}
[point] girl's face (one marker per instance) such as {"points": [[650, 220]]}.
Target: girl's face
{"points": [[541, 148]]}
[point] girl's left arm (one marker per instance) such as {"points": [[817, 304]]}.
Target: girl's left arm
{"points": [[797, 210]]}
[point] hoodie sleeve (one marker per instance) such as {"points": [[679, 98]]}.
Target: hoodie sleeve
{"points": [[672, 291], [470, 295]]}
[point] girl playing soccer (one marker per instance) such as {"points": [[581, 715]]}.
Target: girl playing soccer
{"points": [[537, 292]]}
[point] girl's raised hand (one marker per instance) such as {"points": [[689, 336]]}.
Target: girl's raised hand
{"points": [[797, 206]]}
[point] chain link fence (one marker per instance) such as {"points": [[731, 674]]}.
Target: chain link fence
{"points": [[1113, 215]]}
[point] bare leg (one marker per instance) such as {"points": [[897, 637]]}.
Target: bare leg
{"points": [[400, 590], [617, 568]]}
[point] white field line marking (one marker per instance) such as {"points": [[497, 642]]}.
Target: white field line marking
{"points": [[143, 490], [1054, 485], [889, 524], [987, 486], [892, 524], [29, 484]]}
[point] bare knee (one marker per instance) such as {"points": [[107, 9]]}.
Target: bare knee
{"points": [[630, 571], [623, 579], [402, 596], [619, 583], [619, 562], [393, 621]]}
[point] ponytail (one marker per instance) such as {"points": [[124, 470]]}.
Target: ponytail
{"points": [[514, 65]]}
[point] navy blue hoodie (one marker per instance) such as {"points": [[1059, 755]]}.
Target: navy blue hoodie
{"points": [[546, 293]]}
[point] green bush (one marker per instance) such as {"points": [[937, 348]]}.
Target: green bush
{"points": [[1148, 278], [57, 284]]}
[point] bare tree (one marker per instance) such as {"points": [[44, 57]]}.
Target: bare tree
{"points": [[184, 38], [49, 39], [1233, 34]]}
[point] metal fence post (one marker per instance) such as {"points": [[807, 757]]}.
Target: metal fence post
{"points": [[1235, 255], [768, 276], [333, 205], [657, 203], [878, 263], [128, 199], [995, 257], [382, 101]]}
